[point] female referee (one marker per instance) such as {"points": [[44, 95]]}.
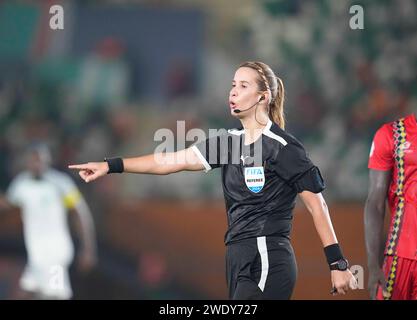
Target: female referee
{"points": [[260, 189]]}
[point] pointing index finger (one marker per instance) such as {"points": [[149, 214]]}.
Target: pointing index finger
{"points": [[78, 166]]}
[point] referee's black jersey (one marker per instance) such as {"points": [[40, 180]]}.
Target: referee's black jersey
{"points": [[261, 180]]}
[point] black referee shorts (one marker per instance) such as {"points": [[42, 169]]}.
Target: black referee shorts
{"points": [[261, 268]]}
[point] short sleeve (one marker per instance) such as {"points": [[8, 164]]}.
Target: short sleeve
{"points": [[13, 193], [295, 167], [212, 152], [381, 156], [69, 190]]}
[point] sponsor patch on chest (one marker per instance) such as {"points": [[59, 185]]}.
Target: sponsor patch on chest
{"points": [[254, 178]]}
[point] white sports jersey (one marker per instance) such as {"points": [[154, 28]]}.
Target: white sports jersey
{"points": [[44, 204]]}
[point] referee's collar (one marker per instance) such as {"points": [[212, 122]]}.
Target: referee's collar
{"points": [[239, 131], [265, 129], [268, 126]]}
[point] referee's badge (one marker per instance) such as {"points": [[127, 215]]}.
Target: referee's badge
{"points": [[254, 178]]}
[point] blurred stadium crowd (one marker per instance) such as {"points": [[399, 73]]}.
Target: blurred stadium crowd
{"points": [[120, 70]]}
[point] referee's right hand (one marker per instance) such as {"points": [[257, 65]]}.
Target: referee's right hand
{"points": [[342, 281], [91, 171]]}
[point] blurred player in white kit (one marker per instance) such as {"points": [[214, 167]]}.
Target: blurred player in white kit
{"points": [[45, 196]]}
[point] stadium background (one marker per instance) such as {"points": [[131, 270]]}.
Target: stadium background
{"points": [[122, 69]]}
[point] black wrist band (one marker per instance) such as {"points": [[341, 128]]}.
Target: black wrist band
{"points": [[115, 165], [333, 253]]}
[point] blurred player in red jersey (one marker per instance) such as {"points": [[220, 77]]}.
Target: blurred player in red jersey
{"points": [[393, 176]]}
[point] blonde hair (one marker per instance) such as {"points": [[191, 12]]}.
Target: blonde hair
{"points": [[269, 82]]}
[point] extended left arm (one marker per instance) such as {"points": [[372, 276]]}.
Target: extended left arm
{"points": [[316, 205]]}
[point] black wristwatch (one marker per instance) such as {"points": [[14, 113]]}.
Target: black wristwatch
{"points": [[340, 265]]}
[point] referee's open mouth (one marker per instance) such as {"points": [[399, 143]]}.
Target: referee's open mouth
{"points": [[232, 105]]}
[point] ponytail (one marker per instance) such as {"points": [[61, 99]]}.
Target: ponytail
{"points": [[276, 107]]}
